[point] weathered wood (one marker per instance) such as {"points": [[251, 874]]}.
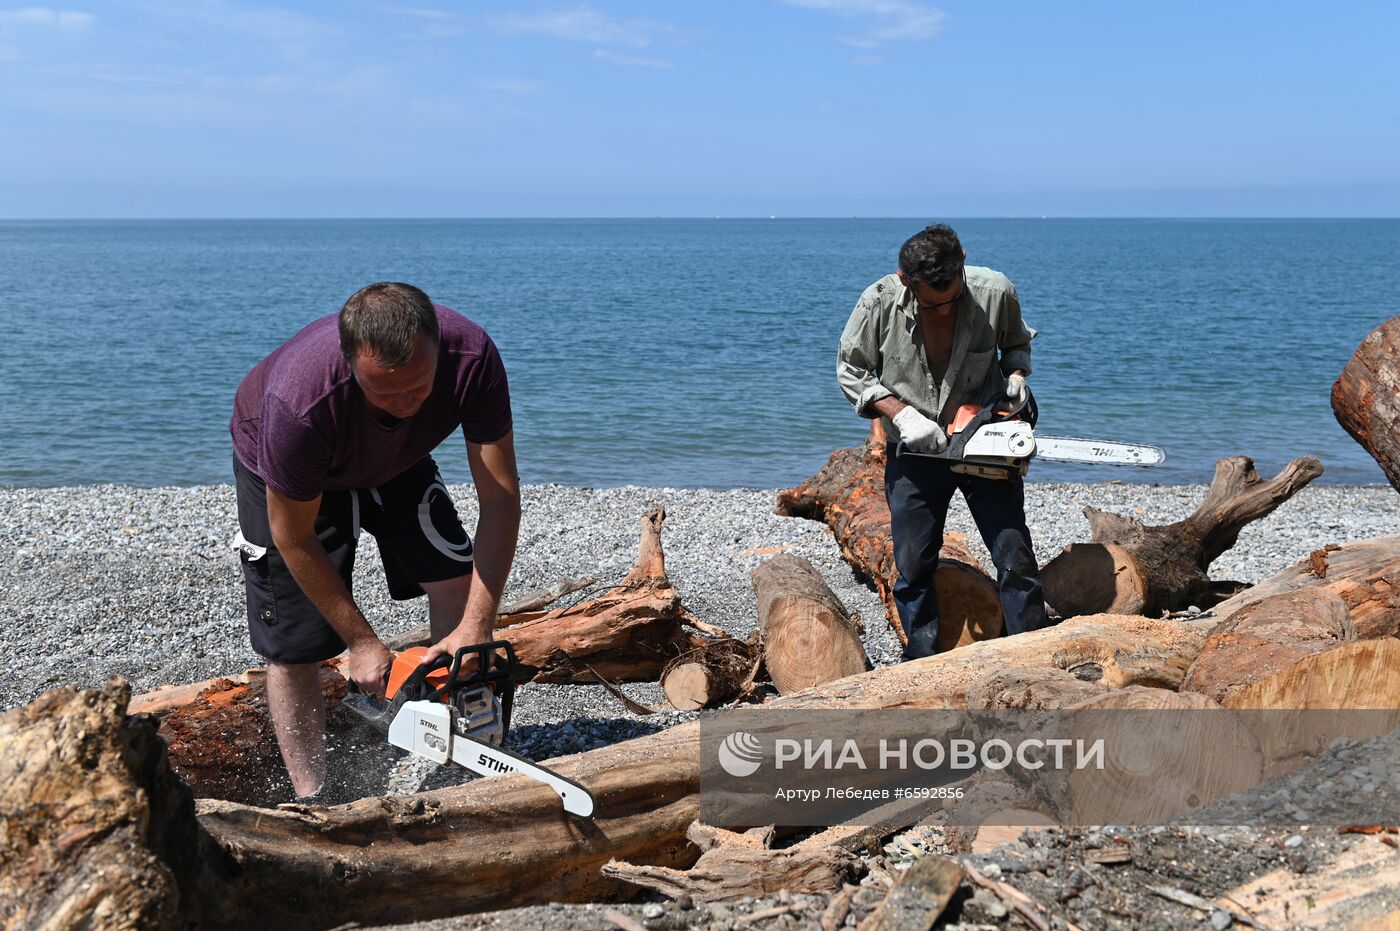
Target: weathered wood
{"points": [[848, 495], [1031, 690], [1131, 568], [626, 634], [525, 608], [1366, 397], [95, 831], [733, 866], [1365, 573], [505, 841], [808, 636], [1266, 637], [920, 896], [718, 672]]}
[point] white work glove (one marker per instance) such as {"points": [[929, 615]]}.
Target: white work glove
{"points": [[1016, 390], [918, 432]]}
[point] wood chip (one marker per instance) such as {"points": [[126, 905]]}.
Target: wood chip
{"points": [[622, 921], [1109, 856], [920, 896]]}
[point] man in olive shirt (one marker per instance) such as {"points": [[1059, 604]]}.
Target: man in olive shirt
{"points": [[921, 343]]}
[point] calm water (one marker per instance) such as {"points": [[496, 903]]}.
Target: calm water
{"points": [[686, 352]]}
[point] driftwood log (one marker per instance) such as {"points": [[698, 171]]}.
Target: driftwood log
{"points": [[1131, 568], [1366, 574], [1364, 397], [222, 741], [848, 495], [501, 842], [808, 636], [95, 831], [715, 673]]}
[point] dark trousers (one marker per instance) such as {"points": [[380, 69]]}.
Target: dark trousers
{"points": [[919, 490]]}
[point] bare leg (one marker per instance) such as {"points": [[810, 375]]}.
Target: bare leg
{"points": [[299, 720], [447, 600]]}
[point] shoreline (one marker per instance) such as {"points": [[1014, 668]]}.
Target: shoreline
{"points": [[98, 580]]}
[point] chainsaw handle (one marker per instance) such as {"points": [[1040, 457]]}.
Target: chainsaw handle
{"points": [[987, 414]]}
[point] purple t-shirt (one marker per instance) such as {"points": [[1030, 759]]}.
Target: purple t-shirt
{"points": [[301, 422]]}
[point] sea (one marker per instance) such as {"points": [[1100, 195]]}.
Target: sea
{"points": [[687, 352]]}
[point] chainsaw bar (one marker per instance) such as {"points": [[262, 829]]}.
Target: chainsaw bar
{"points": [[1071, 449], [430, 729]]}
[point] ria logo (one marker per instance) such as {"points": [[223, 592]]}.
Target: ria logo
{"points": [[740, 754]]}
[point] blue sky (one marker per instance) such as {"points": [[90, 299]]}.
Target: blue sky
{"points": [[217, 108]]}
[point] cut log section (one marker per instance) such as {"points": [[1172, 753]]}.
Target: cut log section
{"points": [[1350, 690], [848, 495], [1165, 755], [1268, 636], [1131, 568], [505, 841], [1365, 573], [1364, 397], [808, 636], [719, 672]]}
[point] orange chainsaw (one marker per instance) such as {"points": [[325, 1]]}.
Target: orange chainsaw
{"points": [[439, 711]]}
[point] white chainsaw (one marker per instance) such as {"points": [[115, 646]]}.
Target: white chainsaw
{"points": [[435, 711], [992, 443]]}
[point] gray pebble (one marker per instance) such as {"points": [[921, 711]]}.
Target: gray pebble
{"points": [[1221, 919]]}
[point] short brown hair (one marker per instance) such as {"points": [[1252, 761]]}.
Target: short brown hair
{"points": [[386, 319], [933, 256]]}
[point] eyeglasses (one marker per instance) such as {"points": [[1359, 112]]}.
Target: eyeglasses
{"points": [[941, 286]]}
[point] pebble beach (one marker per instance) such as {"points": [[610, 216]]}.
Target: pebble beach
{"points": [[106, 580]]}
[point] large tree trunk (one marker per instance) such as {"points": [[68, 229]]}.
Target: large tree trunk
{"points": [[808, 635], [95, 831], [505, 841], [848, 495], [1266, 637], [1130, 568], [1365, 397], [1366, 574]]}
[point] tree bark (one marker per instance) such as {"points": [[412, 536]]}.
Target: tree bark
{"points": [[1266, 637], [1366, 397], [1131, 568], [848, 495], [714, 674], [95, 831], [808, 636], [1366, 574]]}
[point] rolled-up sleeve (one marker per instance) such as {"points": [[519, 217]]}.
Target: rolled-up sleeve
{"points": [[858, 359], [1013, 336]]}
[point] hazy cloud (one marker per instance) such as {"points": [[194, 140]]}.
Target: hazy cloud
{"points": [[882, 20], [46, 18], [581, 24], [630, 61]]}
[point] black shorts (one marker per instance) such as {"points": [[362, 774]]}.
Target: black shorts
{"points": [[412, 518]]}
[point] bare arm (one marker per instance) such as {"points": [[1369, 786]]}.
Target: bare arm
{"points": [[293, 525], [888, 406], [498, 496]]}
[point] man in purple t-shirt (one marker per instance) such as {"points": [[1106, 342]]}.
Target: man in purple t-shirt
{"points": [[332, 433]]}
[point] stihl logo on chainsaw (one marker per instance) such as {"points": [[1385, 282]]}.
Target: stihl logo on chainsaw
{"points": [[493, 763]]}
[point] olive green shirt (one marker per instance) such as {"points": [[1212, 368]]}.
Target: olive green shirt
{"points": [[882, 348]]}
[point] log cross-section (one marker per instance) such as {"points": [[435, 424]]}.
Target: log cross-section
{"points": [[1131, 568], [808, 635]]}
